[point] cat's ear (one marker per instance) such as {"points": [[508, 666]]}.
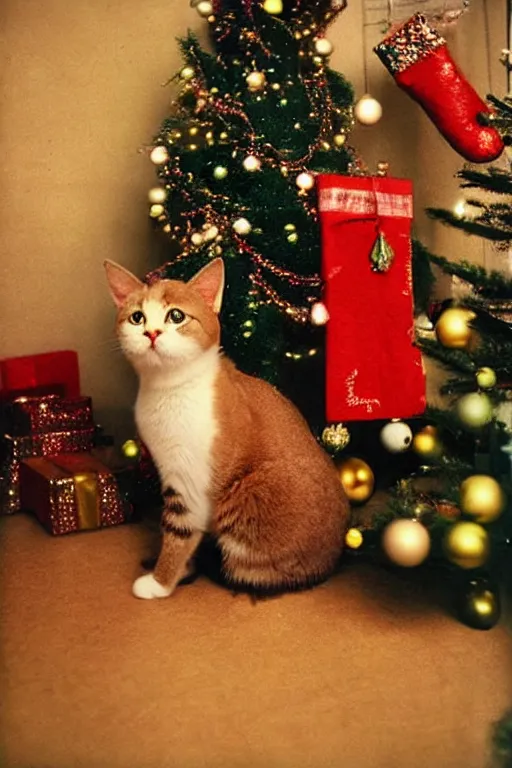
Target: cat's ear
{"points": [[120, 281], [209, 281]]}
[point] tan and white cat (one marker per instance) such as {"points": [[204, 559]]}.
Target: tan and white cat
{"points": [[236, 459]]}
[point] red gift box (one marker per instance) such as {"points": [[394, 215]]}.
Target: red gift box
{"points": [[50, 413], [68, 493], [373, 369], [51, 372]]}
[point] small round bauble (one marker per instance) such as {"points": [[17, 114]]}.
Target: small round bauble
{"points": [[482, 498], [156, 210], [293, 237], [204, 8], [157, 195], [242, 226], [187, 73], [339, 139], [357, 479], [467, 544], [252, 163], [475, 410], [319, 313], [453, 329], [486, 377], [196, 238], [220, 172], [256, 81], [426, 443], [368, 111], [406, 542], [336, 437], [305, 180], [323, 46], [353, 538], [479, 605], [130, 449], [396, 436], [159, 155], [274, 7], [211, 232]]}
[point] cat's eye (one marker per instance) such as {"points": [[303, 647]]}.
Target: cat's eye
{"points": [[175, 316], [136, 318]]}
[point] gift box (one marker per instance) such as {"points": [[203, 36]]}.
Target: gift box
{"points": [[14, 449], [51, 413], [48, 373], [373, 369], [71, 492]]}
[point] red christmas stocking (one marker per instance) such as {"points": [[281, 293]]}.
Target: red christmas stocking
{"points": [[419, 60], [373, 369]]}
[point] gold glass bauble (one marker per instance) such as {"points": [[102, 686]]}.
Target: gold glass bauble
{"points": [[486, 377], [323, 46], [482, 497], [367, 110], [406, 542], [157, 195], [453, 329], [467, 544], [357, 479], [339, 139], [130, 449], [274, 7], [256, 81], [426, 443], [479, 605], [187, 73], [353, 538], [475, 409]]}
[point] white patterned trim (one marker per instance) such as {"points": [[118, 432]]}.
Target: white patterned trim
{"points": [[353, 400], [365, 202]]}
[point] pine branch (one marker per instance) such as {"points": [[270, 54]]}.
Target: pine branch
{"points": [[487, 283]]}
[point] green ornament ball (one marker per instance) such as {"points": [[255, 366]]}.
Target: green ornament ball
{"points": [[479, 605], [475, 410], [220, 172], [486, 377]]}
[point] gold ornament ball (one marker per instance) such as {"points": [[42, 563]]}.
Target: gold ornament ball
{"points": [[157, 195], [204, 8], [159, 155], [475, 410], [406, 542], [482, 498], [252, 163], [130, 449], [319, 313], [255, 81], [357, 479], [242, 226], [479, 606], [339, 139], [293, 237], [426, 443], [467, 545], [187, 73], [353, 538], [220, 172], [453, 329], [196, 238], [210, 232], [156, 210], [368, 111], [486, 377], [274, 7], [323, 46], [305, 180]]}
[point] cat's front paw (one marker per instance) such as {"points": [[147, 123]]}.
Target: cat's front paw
{"points": [[147, 588]]}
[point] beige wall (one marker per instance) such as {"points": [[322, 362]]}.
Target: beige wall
{"points": [[81, 92]]}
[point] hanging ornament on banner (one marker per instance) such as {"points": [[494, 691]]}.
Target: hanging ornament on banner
{"points": [[395, 12], [382, 254]]}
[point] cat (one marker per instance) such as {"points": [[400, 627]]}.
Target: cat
{"points": [[236, 459]]}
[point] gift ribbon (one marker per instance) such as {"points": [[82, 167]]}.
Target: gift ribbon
{"points": [[86, 494]]}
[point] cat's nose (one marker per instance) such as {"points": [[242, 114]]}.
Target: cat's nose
{"points": [[152, 336]]}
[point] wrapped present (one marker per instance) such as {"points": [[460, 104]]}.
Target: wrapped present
{"points": [[71, 492], [15, 449], [50, 413], [373, 368], [48, 373]]}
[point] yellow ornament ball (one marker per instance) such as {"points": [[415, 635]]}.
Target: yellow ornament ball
{"points": [[274, 7], [406, 542], [368, 111], [467, 545], [426, 443], [482, 497], [353, 538], [357, 479], [486, 377], [130, 449], [256, 80], [475, 409], [453, 329]]}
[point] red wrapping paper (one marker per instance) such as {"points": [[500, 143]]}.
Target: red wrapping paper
{"points": [[50, 413], [373, 369], [51, 372]]}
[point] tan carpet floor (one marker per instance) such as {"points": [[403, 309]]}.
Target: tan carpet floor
{"points": [[367, 671]]}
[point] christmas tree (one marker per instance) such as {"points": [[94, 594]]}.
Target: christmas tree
{"points": [[252, 122]]}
